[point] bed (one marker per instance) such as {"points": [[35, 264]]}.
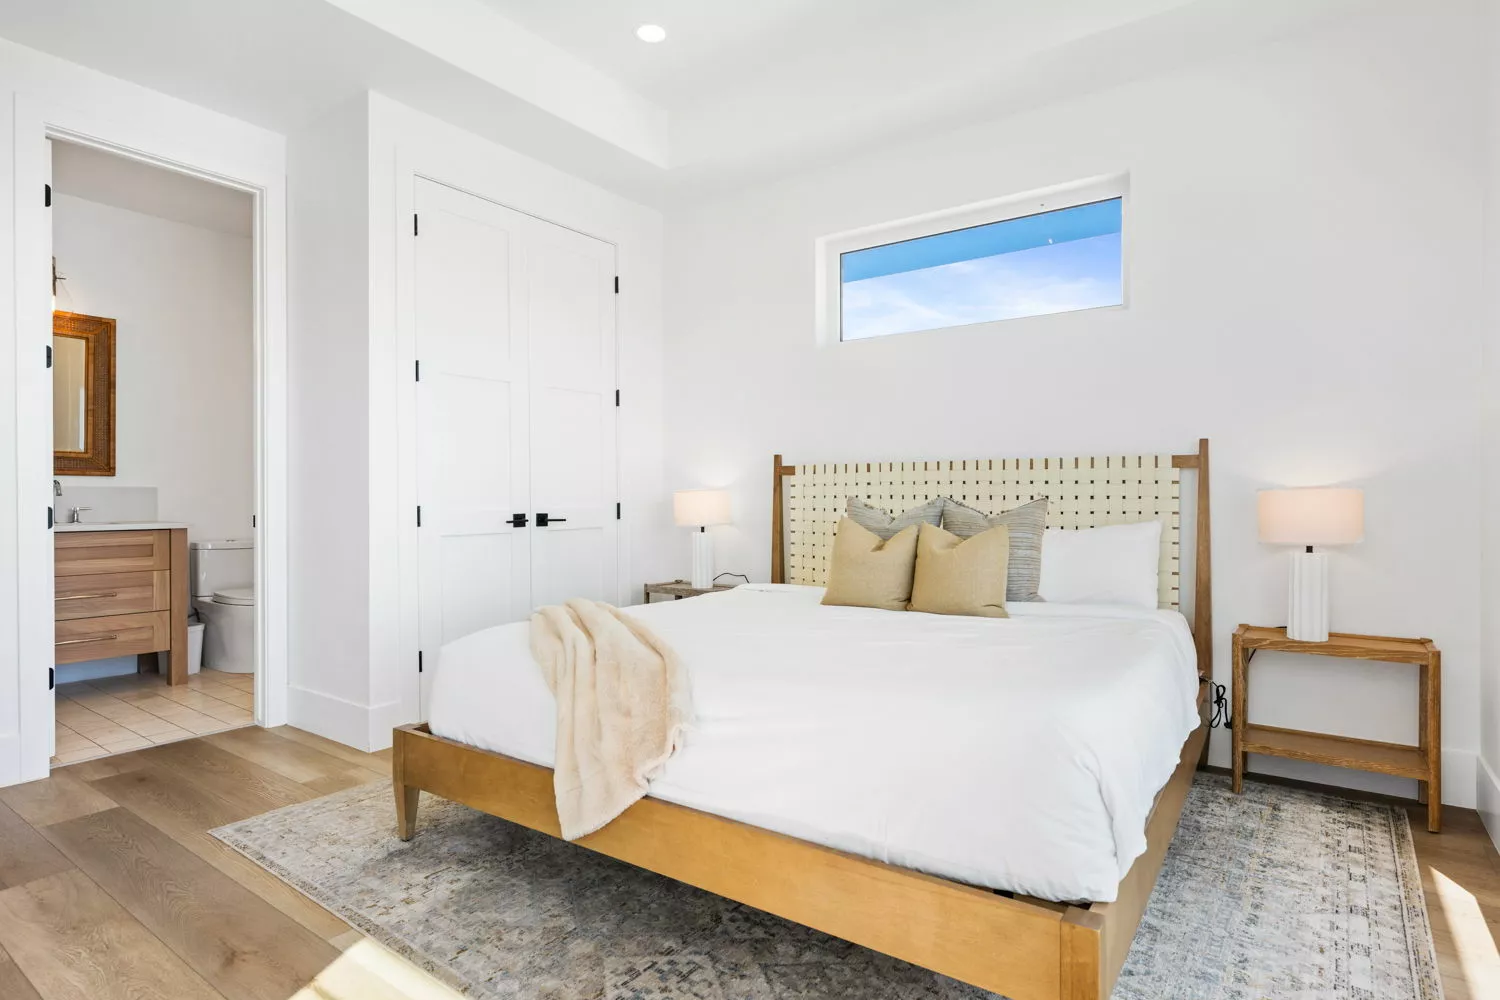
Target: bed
{"points": [[1081, 726]]}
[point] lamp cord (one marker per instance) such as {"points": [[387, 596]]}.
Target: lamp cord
{"points": [[1221, 716]]}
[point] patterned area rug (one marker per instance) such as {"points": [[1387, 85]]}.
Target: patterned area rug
{"points": [[1274, 894]]}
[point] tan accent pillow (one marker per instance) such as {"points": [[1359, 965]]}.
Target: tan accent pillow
{"points": [[867, 571], [961, 576]]}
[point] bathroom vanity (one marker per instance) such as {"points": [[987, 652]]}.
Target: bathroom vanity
{"points": [[122, 589]]}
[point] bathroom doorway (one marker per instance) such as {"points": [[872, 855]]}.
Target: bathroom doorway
{"points": [[154, 450]]}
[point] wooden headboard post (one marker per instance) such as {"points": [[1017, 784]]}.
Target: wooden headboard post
{"points": [[1203, 606], [1203, 588], [778, 521]]}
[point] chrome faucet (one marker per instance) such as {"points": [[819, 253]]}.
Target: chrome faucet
{"points": [[76, 519]]}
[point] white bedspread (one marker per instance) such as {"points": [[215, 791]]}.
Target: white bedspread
{"points": [[1019, 753]]}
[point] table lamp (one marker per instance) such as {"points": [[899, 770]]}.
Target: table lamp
{"points": [[1307, 517], [700, 509]]}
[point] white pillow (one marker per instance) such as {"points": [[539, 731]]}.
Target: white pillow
{"points": [[1115, 564]]}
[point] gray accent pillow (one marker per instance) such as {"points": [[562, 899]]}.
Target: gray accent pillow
{"points": [[885, 525], [1026, 524]]}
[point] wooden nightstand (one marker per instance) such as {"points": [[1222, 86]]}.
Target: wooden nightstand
{"points": [[678, 589], [1422, 762]]}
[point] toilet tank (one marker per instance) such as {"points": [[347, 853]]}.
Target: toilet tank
{"points": [[226, 562]]}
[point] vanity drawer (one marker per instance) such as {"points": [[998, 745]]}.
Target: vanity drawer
{"points": [[115, 635], [111, 594], [89, 553]]}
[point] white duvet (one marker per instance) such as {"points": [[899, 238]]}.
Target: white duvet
{"points": [[1019, 753]]}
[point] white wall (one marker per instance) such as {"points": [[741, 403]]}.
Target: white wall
{"points": [[1487, 775], [329, 321], [1304, 260], [354, 647], [184, 389]]}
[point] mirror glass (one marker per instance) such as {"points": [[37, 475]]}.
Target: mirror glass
{"points": [[70, 394], [83, 395]]}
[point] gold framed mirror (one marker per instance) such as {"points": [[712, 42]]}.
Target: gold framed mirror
{"points": [[83, 395]]}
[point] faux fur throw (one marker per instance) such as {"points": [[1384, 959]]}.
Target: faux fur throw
{"points": [[623, 706]]}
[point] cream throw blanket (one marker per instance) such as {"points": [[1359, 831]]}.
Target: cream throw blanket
{"points": [[623, 706]]}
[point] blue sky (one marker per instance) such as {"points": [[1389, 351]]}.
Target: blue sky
{"points": [[1054, 262]]}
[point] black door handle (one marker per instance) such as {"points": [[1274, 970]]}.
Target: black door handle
{"points": [[518, 520], [542, 520]]}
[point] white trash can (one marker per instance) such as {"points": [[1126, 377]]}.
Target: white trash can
{"points": [[195, 646]]}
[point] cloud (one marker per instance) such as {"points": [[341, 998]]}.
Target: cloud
{"points": [[1081, 274]]}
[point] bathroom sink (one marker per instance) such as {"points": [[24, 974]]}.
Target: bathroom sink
{"points": [[117, 525]]}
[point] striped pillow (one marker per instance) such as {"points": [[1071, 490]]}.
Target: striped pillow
{"points": [[885, 525], [1026, 524]]}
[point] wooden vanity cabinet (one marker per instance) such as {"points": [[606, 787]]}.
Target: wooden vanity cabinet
{"points": [[119, 593]]}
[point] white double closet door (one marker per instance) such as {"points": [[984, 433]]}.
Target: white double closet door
{"points": [[517, 479]]}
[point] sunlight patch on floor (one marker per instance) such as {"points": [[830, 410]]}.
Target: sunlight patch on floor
{"points": [[370, 971], [1471, 935]]}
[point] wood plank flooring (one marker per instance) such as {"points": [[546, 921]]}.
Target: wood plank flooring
{"points": [[111, 887]]}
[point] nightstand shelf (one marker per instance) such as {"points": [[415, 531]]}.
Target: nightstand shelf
{"points": [[1339, 751], [1422, 762]]}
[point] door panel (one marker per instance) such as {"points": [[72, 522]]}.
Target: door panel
{"points": [[472, 419], [570, 279], [515, 415]]}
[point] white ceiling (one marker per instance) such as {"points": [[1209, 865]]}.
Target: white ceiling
{"points": [[716, 46], [740, 91], [92, 174]]}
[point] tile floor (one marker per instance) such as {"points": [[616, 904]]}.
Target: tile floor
{"points": [[116, 714]]}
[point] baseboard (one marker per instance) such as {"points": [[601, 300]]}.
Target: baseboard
{"points": [[363, 727], [329, 716], [10, 759], [1487, 794]]}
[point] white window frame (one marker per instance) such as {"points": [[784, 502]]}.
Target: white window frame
{"points": [[832, 247]]}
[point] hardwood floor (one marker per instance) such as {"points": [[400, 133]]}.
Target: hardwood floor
{"points": [[111, 887]]}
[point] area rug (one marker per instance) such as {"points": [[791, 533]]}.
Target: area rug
{"points": [[1277, 893]]}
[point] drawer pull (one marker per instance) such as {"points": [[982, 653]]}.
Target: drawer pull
{"points": [[96, 638], [86, 597]]}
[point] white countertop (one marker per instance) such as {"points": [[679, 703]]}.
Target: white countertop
{"points": [[120, 526]]}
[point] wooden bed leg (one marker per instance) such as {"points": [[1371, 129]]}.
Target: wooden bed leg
{"points": [[406, 811], [1081, 948], [406, 795]]}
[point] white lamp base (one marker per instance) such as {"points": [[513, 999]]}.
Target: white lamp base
{"points": [[703, 560], [1307, 613]]}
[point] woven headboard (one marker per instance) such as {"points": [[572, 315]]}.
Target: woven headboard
{"points": [[1081, 493]]}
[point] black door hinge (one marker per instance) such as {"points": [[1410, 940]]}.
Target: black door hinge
{"points": [[419, 369], [617, 510], [49, 355], [419, 661], [416, 228], [51, 678], [617, 397], [419, 515], [47, 199], [617, 284], [49, 518]]}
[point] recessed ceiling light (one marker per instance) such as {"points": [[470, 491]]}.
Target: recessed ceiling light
{"points": [[651, 33]]}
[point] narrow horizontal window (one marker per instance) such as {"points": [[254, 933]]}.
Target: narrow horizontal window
{"points": [[1051, 262]]}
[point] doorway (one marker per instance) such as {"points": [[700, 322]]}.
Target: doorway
{"points": [[154, 454], [179, 143]]}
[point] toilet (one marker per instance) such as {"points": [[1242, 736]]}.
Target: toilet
{"points": [[223, 579]]}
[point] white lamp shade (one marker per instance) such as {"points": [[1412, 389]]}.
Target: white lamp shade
{"points": [[700, 508], [1320, 515]]}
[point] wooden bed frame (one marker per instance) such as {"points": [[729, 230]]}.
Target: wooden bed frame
{"points": [[1019, 947]]}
